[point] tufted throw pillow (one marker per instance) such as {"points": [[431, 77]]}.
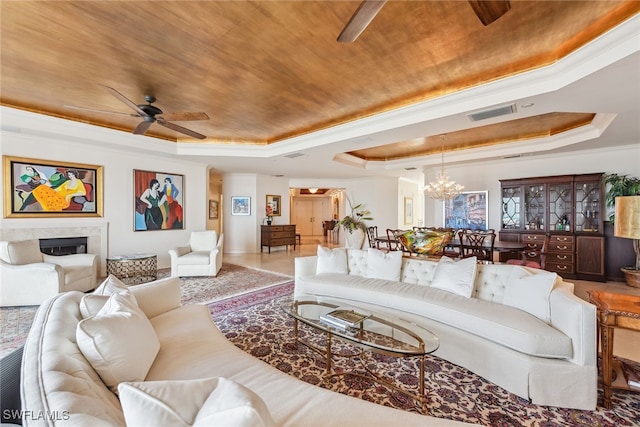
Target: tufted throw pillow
{"points": [[201, 402], [332, 260], [119, 341], [530, 292], [457, 277], [383, 265]]}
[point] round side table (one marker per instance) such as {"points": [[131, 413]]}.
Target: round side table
{"points": [[133, 269]]}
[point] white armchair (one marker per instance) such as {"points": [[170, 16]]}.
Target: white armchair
{"points": [[201, 257], [29, 277]]}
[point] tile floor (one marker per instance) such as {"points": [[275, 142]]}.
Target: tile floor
{"points": [[626, 343]]}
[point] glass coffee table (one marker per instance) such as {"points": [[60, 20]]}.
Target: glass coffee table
{"points": [[133, 269], [378, 333]]}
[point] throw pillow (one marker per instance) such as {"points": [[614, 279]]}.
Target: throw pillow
{"points": [[332, 260], [111, 285], [457, 277], [119, 341], [201, 402], [91, 304], [383, 265], [530, 292]]}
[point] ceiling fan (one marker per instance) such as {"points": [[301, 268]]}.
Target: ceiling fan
{"points": [[151, 114], [487, 11]]}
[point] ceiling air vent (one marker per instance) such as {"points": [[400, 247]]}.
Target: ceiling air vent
{"points": [[494, 112], [294, 155]]}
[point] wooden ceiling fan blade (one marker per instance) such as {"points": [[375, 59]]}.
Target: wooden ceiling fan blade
{"points": [[184, 117], [490, 10], [126, 100], [361, 18], [181, 129], [142, 128], [94, 110]]}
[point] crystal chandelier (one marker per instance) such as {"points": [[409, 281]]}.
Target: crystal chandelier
{"points": [[443, 188]]}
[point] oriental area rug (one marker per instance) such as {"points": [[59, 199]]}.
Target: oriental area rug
{"points": [[255, 323], [232, 280]]}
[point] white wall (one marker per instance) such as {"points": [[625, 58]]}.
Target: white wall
{"points": [[118, 191], [486, 176]]}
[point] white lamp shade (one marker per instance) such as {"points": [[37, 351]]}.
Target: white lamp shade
{"points": [[627, 217]]}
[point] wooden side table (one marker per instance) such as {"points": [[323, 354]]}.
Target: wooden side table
{"points": [[614, 311]]}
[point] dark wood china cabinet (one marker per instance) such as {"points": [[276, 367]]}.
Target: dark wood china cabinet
{"points": [[570, 208]]}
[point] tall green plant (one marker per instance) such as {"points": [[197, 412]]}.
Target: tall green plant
{"points": [[356, 219], [619, 185]]}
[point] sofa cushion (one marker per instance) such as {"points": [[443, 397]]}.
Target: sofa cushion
{"points": [[383, 265], [456, 276], [200, 402], [530, 292], [119, 341], [332, 260], [195, 258], [203, 240], [24, 252]]}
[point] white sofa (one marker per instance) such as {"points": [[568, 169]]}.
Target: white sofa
{"points": [[202, 256], [550, 362], [29, 277], [58, 382]]}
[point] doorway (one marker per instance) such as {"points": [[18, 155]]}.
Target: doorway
{"points": [[309, 213]]}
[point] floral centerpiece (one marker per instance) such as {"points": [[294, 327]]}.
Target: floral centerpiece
{"points": [[356, 219], [269, 212]]}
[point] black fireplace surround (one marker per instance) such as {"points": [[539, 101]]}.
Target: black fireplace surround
{"points": [[63, 246]]}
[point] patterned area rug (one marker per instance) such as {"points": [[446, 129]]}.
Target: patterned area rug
{"points": [[255, 323], [232, 280]]}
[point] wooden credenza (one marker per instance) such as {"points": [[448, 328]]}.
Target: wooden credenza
{"points": [[277, 235]]}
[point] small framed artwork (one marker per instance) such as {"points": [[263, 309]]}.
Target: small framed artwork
{"points": [[44, 189], [408, 210], [466, 210], [274, 202], [213, 209], [240, 205], [158, 198]]}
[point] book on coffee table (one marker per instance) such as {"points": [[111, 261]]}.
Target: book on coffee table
{"points": [[343, 318], [633, 379]]}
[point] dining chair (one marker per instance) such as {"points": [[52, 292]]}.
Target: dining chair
{"points": [[534, 256], [478, 243], [392, 239], [372, 234]]}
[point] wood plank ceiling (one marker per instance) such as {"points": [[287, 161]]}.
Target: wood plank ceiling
{"points": [[264, 71]]}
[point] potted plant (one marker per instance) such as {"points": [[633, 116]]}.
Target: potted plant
{"points": [[628, 210], [355, 226]]}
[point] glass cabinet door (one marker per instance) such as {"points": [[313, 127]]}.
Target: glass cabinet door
{"points": [[560, 207], [588, 206], [534, 207], [511, 202]]}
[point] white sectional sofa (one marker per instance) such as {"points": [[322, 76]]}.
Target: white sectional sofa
{"points": [[60, 386], [523, 329]]}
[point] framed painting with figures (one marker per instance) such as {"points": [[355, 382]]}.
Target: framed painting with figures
{"points": [[36, 188], [158, 200]]}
